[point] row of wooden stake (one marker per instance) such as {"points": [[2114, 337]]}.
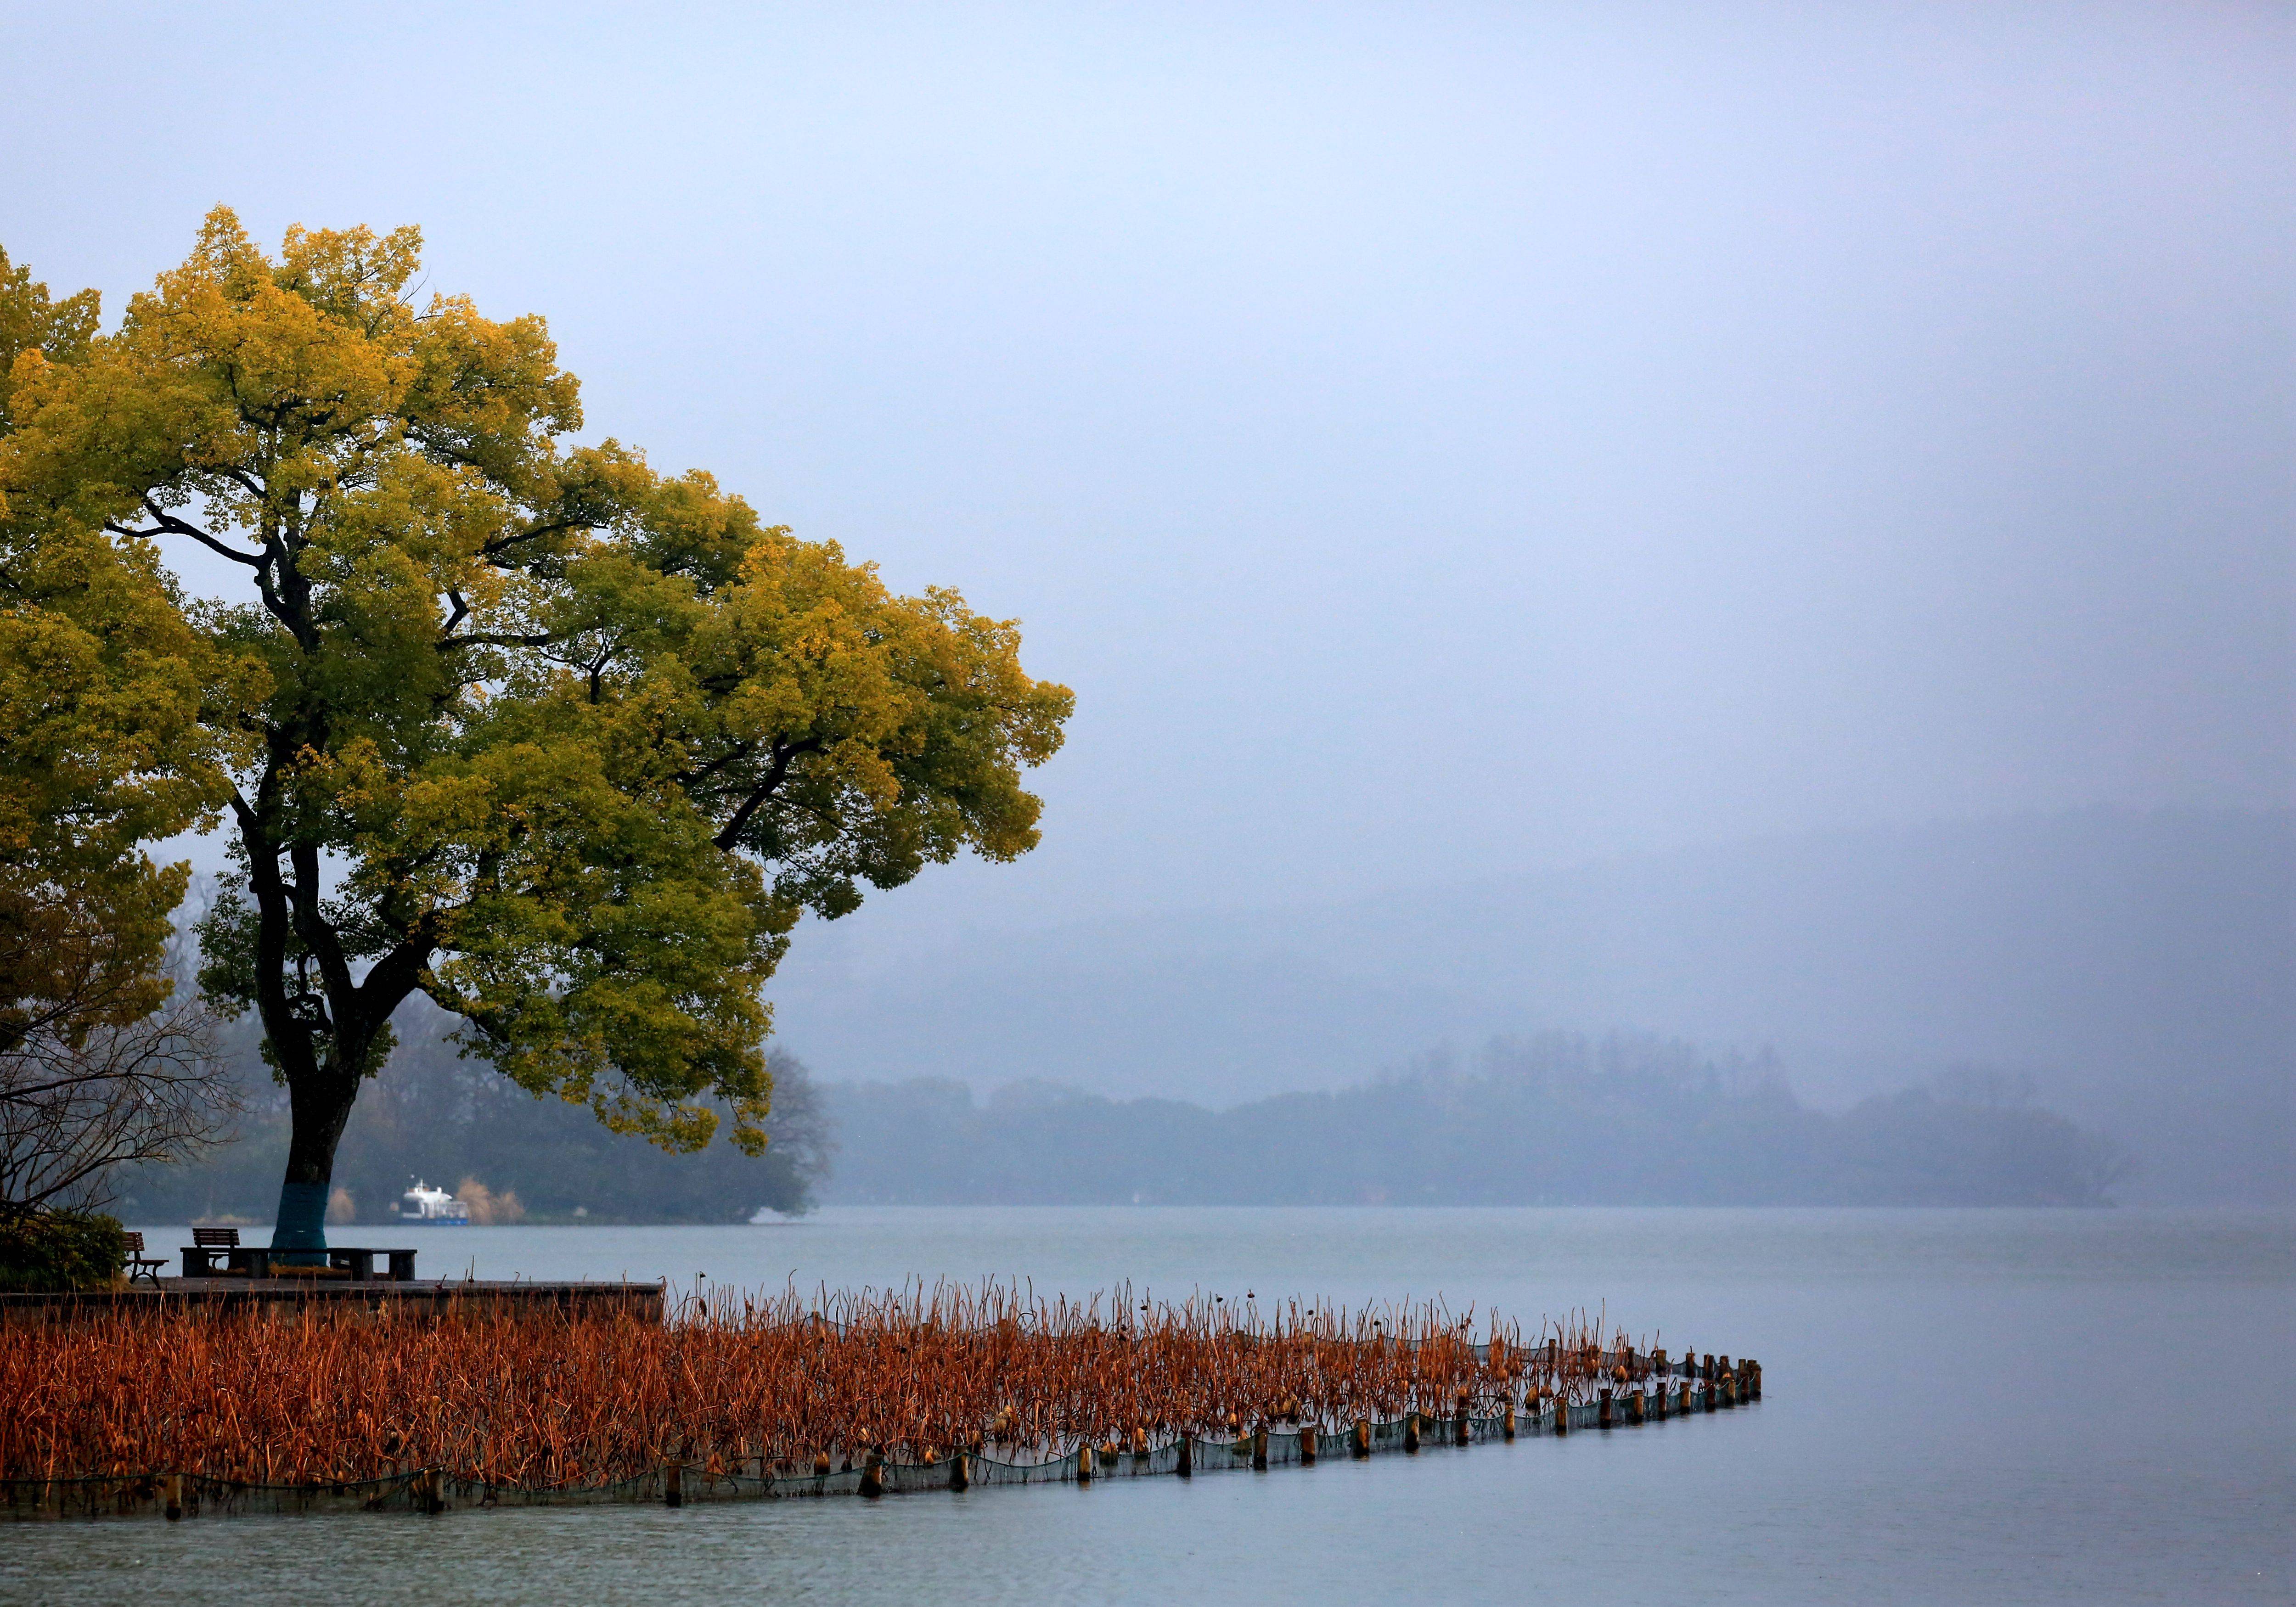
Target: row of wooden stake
{"points": [[1719, 1388]]}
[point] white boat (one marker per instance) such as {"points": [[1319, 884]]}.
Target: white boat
{"points": [[435, 1206]]}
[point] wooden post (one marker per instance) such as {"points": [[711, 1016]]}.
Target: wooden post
{"points": [[171, 1488], [673, 1483], [1411, 1434], [1260, 1450], [1602, 1410], [1561, 1415], [1084, 1465], [960, 1477], [1706, 1399], [1634, 1408], [1507, 1430], [1187, 1467], [1359, 1442], [873, 1473], [1462, 1430], [1307, 1445]]}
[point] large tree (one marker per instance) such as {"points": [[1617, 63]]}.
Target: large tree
{"points": [[563, 742]]}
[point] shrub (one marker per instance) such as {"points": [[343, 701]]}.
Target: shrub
{"points": [[55, 1252]]}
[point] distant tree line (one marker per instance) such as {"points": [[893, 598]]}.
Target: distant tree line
{"points": [[1556, 1120], [514, 1156]]}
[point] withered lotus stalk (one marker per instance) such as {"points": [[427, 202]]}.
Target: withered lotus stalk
{"points": [[544, 1399]]}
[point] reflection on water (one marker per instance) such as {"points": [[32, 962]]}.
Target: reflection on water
{"points": [[1960, 1406]]}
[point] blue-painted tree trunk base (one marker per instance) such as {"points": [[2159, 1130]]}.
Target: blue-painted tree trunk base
{"points": [[302, 1224]]}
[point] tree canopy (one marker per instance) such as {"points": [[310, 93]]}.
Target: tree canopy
{"points": [[520, 723], [101, 683]]}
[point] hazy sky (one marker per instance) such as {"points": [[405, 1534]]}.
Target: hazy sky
{"points": [[1431, 439]]}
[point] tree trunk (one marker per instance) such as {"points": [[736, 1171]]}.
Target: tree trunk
{"points": [[320, 1104]]}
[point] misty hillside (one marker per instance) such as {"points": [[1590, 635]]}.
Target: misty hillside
{"points": [[1555, 1121], [2140, 968]]}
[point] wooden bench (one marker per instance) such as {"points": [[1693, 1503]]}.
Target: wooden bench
{"points": [[199, 1256], [357, 1263], [138, 1265]]}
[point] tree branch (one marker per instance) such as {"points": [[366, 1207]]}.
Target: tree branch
{"points": [[499, 639], [503, 544], [783, 757], [686, 778], [171, 524]]}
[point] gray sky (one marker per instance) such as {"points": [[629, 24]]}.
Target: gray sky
{"points": [[1432, 441]]}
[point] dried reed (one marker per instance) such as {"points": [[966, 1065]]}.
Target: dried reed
{"points": [[541, 1400]]}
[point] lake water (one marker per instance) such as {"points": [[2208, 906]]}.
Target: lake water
{"points": [[1960, 1406]]}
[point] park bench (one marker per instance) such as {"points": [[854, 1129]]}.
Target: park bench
{"points": [[352, 1262], [138, 1265], [199, 1259]]}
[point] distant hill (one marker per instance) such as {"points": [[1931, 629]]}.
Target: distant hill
{"points": [[2140, 967], [1554, 1120]]}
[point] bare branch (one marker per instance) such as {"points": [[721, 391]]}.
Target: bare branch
{"points": [[154, 1089]]}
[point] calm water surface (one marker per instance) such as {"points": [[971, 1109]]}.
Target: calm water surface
{"points": [[1977, 1407]]}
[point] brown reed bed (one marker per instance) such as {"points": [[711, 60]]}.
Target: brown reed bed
{"points": [[737, 1384]]}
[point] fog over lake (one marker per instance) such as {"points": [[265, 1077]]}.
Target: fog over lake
{"points": [[1765, 525]]}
